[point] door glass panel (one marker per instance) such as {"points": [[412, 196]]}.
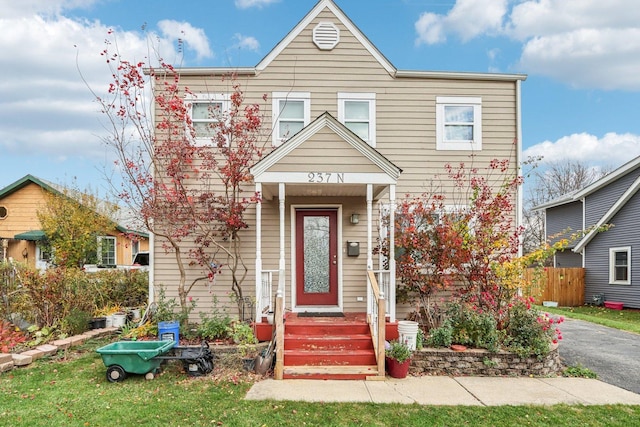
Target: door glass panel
{"points": [[316, 254]]}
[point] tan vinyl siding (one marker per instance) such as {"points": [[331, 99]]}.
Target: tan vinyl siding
{"points": [[405, 135]]}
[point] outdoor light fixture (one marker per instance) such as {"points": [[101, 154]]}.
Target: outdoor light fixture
{"points": [[355, 218]]}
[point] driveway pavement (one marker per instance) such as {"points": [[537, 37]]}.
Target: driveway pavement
{"points": [[613, 354]]}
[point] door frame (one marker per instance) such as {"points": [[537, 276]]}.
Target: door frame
{"points": [[294, 303]]}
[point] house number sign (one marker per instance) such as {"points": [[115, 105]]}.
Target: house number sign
{"points": [[326, 177]]}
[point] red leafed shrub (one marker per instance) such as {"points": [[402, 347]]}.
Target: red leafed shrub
{"points": [[10, 336]]}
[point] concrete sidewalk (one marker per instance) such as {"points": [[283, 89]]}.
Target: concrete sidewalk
{"points": [[441, 390]]}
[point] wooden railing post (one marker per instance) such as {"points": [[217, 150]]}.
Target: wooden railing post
{"points": [[278, 372]]}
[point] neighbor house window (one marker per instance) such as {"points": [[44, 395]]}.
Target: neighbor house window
{"points": [[291, 113], [135, 248], [206, 112], [3, 212], [107, 250], [458, 123], [620, 266], [357, 111]]}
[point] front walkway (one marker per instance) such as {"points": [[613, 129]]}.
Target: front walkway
{"points": [[440, 390]]}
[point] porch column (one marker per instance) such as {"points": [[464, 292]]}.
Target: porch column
{"points": [[281, 266], [369, 223], [392, 253], [259, 296]]}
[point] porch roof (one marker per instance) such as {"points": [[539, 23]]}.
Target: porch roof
{"points": [[32, 235], [325, 159]]}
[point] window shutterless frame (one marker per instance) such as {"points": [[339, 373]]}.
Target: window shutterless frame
{"points": [[458, 123]]}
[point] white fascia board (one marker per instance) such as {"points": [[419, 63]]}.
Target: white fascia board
{"points": [[621, 171], [619, 204], [345, 178], [457, 75]]}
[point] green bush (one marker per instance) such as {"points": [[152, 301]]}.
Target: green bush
{"points": [[529, 332], [214, 328], [441, 336], [76, 322], [471, 327]]}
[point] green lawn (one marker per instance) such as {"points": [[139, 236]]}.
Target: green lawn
{"points": [[626, 320], [71, 390]]}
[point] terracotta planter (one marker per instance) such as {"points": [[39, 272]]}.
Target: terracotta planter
{"points": [[396, 369]]}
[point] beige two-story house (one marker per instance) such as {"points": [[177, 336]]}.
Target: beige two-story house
{"points": [[352, 135]]}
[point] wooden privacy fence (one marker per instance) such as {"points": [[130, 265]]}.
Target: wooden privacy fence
{"points": [[563, 285]]}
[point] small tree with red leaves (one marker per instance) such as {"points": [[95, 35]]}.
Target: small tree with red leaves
{"points": [[191, 195], [457, 238]]}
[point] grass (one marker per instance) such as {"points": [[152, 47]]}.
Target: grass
{"points": [[626, 320], [71, 390]]}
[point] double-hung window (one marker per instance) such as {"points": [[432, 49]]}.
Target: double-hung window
{"points": [[620, 266], [458, 123], [206, 111], [107, 250], [291, 113], [357, 111]]}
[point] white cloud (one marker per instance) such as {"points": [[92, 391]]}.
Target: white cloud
{"points": [[193, 38], [612, 150], [247, 42], [246, 4], [585, 44], [467, 19]]}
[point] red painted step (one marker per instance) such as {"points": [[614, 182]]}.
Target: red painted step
{"points": [[328, 348]]}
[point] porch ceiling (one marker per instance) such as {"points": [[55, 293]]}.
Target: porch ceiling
{"points": [[270, 190]]}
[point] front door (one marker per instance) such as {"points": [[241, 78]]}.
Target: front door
{"points": [[316, 257]]}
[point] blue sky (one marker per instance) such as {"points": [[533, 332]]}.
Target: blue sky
{"points": [[582, 57]]}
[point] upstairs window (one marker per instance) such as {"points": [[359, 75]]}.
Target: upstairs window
{"points": [[206, 111], [620, 266], [357, 111], [458, 123], [291, 113]]}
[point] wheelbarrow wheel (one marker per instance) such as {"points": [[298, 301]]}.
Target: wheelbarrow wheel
{"points": [[115, 374]]}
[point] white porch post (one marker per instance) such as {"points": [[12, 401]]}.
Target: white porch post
{"points": [[281, 266], [392, 253], [259, 295], [369, 230]]}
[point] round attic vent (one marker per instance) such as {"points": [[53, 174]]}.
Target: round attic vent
{"points": [[326, 35]]}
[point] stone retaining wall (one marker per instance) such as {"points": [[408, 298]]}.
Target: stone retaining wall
{"points": [[477, 362]]}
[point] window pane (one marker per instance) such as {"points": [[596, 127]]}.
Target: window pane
{"points": [[360, 129], [316, 254], [458, 133], [458, 113], [292, 110], [288, 129], [203, 129], [621, 274], [108, 251], [206, 110], [356, 110], [621, 259]]}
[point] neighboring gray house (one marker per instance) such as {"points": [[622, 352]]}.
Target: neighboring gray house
{"points": [[611, 259]]}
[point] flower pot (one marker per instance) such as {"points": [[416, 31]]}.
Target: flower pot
{"points": [[458, 347], [119, 320], [98, 323], [396, 369]]}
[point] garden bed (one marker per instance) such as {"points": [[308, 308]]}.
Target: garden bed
{"points": [[479, 362]]}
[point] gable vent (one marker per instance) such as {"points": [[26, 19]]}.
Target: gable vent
{"points": [[326, 35]]}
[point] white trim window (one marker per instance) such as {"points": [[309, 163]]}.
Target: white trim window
{"points": [[458, 123], [206, 111], [291, 113], [357, 111], [107, 250], [620, 265]]}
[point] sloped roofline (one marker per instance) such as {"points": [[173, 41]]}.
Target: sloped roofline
{"points": [[362, 38], [344, 19], [30, 179], [614, 209], [23, 182], [322, 121], [573, 196]]}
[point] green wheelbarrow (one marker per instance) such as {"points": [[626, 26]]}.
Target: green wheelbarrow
{"points": [[133, 357]]}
